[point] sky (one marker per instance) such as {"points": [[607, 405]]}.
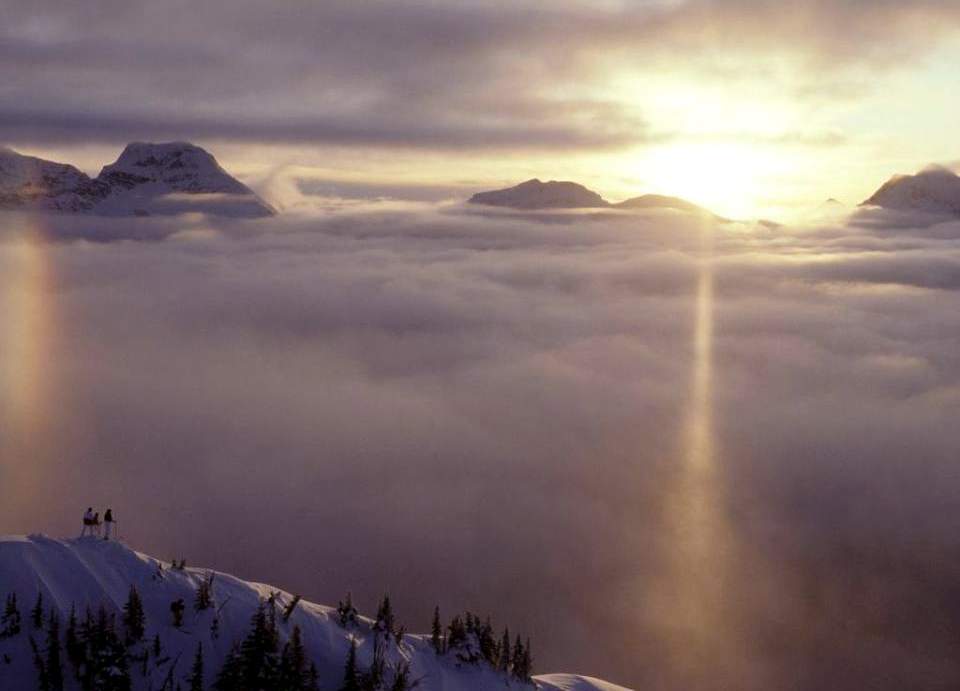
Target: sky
{"points": [[752, 108]]}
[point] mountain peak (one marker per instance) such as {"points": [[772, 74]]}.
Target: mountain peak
{"points": [[147, 179], [935, 189], [534, 194], [182, 166]]}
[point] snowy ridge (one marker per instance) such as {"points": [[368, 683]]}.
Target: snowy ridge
{"points": [[86, 572], [147, 179]]}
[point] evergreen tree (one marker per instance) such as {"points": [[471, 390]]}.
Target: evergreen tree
{"points": [[386, 621], [36, 614], [215, 628], [134, 619], [258, 653], [373, 678], [456, 633], [76, 653], [294, 675], [527, 663], [106, 666], [486, 642], [54, 662], [43, 681], [86, 631], [195, 678], [351, 677], [504, 651], [204, 596], [346, 612], [10, 621], [516, 662], [401, 679], [436, 634], [230, 677]]}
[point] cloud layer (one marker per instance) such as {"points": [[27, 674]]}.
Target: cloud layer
{"points": [[487, 411]]}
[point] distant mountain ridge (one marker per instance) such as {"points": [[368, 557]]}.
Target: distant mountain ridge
{"points": [[537, 195], [147, 179], [934, 189], [534, 194]]}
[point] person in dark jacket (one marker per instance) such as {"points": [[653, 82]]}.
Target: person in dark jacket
{"points": [[108, 524]]}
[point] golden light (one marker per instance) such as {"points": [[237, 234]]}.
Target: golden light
{"points": [[691, 595], [733, 179], [26, 361]]}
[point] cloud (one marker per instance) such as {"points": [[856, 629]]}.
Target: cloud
{"points": [[487, 411], [412, 74]]}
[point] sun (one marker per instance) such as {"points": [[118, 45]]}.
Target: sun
{"points": [[730, 178]]}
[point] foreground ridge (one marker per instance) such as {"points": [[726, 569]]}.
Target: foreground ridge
{"points": [[88, 611]]}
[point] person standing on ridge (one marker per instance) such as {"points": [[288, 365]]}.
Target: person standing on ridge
{"points": [[87, 522], [107, 524]]}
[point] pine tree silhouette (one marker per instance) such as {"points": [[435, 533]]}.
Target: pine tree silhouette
{"points": [[134, 619], [258, 652], [195, 679], [10, 621], [230, 677], [346, 612], [351, 676], [505, 660], [436, 634], [36, 614], [54, 662]]}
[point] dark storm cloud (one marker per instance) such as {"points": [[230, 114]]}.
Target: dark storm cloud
{"points": [[411, 74], [487, 411]]}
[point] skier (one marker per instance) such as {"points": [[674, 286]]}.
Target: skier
{"points": [[87, 521], [96, 524], [107, 524]]}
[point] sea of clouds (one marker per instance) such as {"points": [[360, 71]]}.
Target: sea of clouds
{"points": [[486, 411]]}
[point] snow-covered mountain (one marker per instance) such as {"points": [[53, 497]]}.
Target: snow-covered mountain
{"points": [[933, 190], [88, 572], [534, 194], [147, 179], [31, 183]]}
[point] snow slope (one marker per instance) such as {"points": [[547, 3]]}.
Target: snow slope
{"points": [[147, 179], [933, 190], [89, 571]]}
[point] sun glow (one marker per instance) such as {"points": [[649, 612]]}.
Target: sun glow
{"points": [[733, 179]]}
